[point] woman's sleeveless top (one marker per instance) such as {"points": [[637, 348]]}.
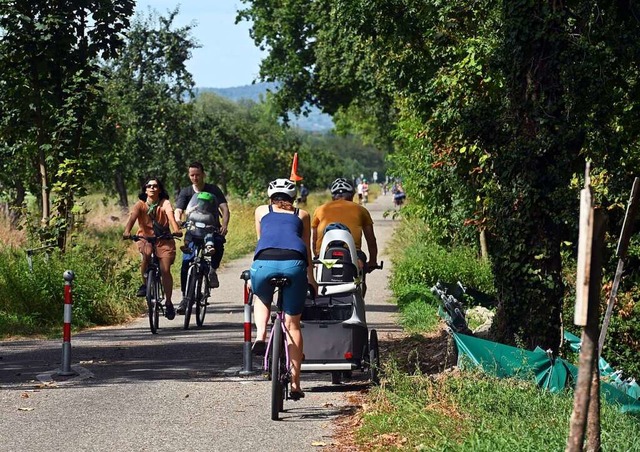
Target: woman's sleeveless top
{"points": [[280, 231]]}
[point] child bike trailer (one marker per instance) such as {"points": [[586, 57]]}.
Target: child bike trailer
{"points": [[334, 327]]}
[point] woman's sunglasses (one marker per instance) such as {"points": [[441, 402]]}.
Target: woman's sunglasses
{"points": [[151, 185]]}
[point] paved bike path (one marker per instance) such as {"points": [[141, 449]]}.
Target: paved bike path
{"points": [[177, 390]]}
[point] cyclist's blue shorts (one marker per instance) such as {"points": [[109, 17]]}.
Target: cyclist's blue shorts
{"points": [[294, 295]]}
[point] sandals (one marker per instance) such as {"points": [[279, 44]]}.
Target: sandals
{"points": [[296, 395]]}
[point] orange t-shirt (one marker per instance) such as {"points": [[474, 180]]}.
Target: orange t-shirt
{"points": [[352, 215]]}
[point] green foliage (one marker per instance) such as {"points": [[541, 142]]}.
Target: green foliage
{"points": [[50, 105], [31, 302], [496, 106], [422, 262], [622, 342], [149, 123], [475, 412], [419, 263]]}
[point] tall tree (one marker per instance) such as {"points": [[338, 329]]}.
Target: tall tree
{"points": [[147, 88], [497, 107], [49, 101]]}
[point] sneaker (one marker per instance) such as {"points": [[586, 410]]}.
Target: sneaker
{"points": [[142, 291], [182, 307], [213, 278], [169, 312]]}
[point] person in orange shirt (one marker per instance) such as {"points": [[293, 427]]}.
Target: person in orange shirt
{"points": [[342, 209]]}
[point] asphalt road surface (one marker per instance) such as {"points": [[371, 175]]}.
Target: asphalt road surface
{"points": [[179, 390]]}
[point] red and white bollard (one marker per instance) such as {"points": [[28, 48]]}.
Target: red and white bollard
{"points": [[65, 370], [247, 361]]}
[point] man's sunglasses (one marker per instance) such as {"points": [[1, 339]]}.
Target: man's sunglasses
{"points": [[151, 185]]}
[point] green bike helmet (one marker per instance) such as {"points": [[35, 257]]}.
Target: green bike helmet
{"points": [[205, 196]]}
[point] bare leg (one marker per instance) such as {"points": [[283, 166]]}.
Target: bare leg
{"points": [[261, 313], [295, 349], [167, 278], [143, 267]]}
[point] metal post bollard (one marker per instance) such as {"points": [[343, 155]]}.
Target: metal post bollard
{"points": [[66, 339], [247, 359]]}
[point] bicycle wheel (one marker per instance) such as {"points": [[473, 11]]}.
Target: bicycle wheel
{"points": [[152, 301], [190, 295], [201, 302], [277, 389]]}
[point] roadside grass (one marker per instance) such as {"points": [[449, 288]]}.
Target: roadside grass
{"points": [[418, 264], [463, 411], [460, 410]]}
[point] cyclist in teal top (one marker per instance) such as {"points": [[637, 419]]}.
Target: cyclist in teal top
{"points": [[283, 249]]}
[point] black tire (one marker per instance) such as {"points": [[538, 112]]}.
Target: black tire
{"points": [[190, 294], [335, 377], [374, 358], [152, 302], [277, 389], [201, 302]]}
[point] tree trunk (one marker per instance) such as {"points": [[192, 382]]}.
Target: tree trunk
{"points": [[121, 189], [16, 204], [484, 248], [531, 289], [44, 183], [536, 163]]}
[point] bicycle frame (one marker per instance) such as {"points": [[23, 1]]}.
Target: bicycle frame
{"points": [[153, 280], [196, 288], [285, 333]]}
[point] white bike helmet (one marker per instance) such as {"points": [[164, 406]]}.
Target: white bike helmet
{"points": [[283, 186], [340, 185]]}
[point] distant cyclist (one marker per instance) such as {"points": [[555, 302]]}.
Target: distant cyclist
{"points": [[188, 200], [154, 214], [365, 191], [342, 209], [283, 249]]}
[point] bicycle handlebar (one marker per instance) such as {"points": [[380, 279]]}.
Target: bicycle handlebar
{"points": [[188, 224], [135, 237]]}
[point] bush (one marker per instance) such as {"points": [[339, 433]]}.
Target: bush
{"points": [[33, 301], [419, 263]]}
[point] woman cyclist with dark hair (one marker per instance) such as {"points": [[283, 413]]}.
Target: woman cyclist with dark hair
{"points": [[284, 234], [154, 215]]}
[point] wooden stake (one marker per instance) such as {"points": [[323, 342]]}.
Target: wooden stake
{"points": [[621, 252], [585, 393]]}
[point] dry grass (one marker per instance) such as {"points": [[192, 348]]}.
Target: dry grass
{"points": [[11, 238]]}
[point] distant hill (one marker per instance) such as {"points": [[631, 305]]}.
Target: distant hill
{"points": [[315, 122]]}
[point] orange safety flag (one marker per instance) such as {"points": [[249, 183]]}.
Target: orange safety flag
{"points": [[294, 169]]}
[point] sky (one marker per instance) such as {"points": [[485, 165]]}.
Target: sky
{"points": [[228, 56]]}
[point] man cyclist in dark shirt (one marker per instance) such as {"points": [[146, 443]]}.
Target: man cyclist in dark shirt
{"points": [[187, 201]]}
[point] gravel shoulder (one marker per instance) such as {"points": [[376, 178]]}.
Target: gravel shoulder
{"points": [[177, 390]]}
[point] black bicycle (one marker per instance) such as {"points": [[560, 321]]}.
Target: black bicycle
{"points": [[155, 290], [198, 288]]}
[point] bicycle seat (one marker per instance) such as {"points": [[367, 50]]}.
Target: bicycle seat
{"points": [[280, 281]]}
